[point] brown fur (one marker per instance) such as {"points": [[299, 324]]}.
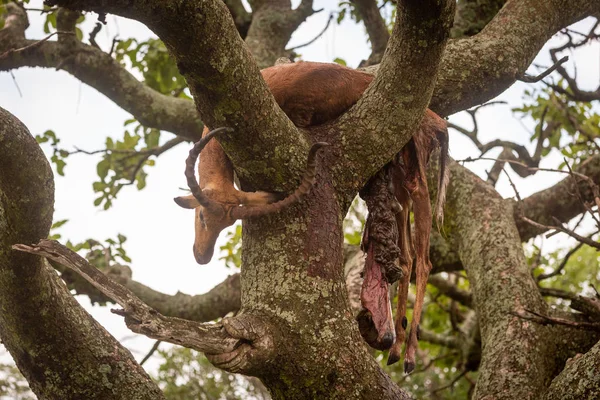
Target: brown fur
{"points": [[311, 94]]}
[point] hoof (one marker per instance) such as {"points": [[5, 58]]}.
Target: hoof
{"points": [[409, 366]]}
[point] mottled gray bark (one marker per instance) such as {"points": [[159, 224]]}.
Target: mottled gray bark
{"points": [[60, 349], [273, 22], [392, 107], [519, 358], [473, 15], [579, 380]]}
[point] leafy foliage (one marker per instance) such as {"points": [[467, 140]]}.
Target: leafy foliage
{"points": [[575, 124], [12, 383], [58, 155], [153, 61], [186, 374], [124, 161], [231, 252]]}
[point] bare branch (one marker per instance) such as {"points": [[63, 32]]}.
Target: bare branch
{"points": [[150, 352], [139, 317], [547, 320], [376, 29], [558, 270], [562, 229], [313, 39], [559, 200], [532, 79]]}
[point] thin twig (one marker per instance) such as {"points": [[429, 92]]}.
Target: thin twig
{"points": [[151, 352], [532, 79], [562, 229], [562, 264], [471, 159], [14, 78], [315, 38], [451, 384], [545, 320]]}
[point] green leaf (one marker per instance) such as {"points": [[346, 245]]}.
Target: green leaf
{"points": [[58, 224], [60, 167], [340, 61], [102, 168], [152, 138]]}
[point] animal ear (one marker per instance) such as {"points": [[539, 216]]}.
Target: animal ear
{"points": [[189, 201]]}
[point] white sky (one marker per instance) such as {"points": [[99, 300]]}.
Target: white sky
{"points": [[160, 234]]}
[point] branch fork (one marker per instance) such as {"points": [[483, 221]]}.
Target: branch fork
{"points": [[236, 343]]}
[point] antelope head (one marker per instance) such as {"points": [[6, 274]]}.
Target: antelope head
{"points": [[212, 216]]}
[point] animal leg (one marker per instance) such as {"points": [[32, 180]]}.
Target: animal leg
{"points": [[406, 252], [423, 220]]}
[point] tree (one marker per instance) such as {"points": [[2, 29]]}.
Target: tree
{"points": [[294, 329]]}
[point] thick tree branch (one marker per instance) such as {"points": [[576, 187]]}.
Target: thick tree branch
{"points": [[376, 29], [139, 317], [216, 303], [501, 284], [577, 381], [39, 319], [501, 52], [273, 22], [99, 70], [394, 103]]}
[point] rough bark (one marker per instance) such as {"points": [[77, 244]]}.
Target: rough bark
{"points": [[388, 113], [477, 69], [473, 15], [579, 379], [60, 349], [527, 354], [273, 22]]}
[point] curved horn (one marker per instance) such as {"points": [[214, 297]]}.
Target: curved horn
{"points": [[308, 179], [190, 173]]}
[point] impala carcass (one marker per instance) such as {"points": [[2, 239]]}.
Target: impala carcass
{"points": [[311, 94]]}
